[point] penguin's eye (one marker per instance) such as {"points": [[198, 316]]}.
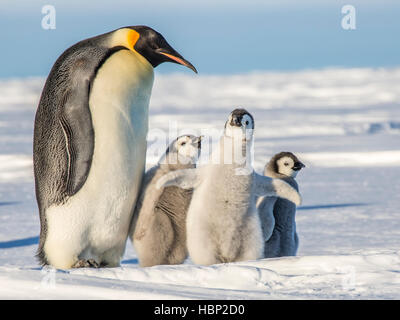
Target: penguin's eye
{"points": [[247, 122], [183, 143], [286, 164]]}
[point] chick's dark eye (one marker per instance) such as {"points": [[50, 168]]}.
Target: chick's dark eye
{"points": [[247, 122], [286, 164], [183, 143]]}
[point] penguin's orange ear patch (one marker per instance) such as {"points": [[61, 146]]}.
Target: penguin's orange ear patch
{"points": [[131, 38]]}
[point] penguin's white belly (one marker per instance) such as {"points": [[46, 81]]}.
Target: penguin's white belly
{"points": [[94, 222]]}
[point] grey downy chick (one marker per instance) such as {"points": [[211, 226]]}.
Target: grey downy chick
{"points": [[158, 229], [277, 214], [222, 221]]}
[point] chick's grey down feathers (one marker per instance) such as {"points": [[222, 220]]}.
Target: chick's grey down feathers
{"points": [[278, 215], [158, 229], [222, 221]]}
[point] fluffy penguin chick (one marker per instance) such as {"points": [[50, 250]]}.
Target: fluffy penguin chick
{"points": [[222, 221], [158, 230], [278, 215]]}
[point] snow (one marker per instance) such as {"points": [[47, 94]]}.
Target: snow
{"points": [[371, 275], [15, 167], [344, 124], [353, 159]]}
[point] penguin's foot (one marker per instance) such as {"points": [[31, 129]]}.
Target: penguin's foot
{"points": [[90, 263]]}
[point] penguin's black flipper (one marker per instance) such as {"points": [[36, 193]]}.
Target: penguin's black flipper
{"points": [[75, 121], [64, 135]]}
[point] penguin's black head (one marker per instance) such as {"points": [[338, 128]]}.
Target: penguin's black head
{"points": [[152, 46], [240, 123], [241, 117], [287, 163]]}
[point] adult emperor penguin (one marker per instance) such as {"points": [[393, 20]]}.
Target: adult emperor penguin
{"points": [[222, 221], [158, 229], [278, 215], [90, 144]]}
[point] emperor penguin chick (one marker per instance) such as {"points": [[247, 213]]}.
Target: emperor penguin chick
{"points": [[222, 221], [158, 230], [278, 215]]}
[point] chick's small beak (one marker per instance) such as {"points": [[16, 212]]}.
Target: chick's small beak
{"points": [[197, 142], [298, 165], [177, 58], [235, 121]]}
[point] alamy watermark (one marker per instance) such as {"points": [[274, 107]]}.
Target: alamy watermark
{"points": [[349, 18], [49, 18], [217, 147], [49, 278], [348, 277]]}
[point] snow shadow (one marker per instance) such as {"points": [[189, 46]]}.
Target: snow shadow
{"points": [[332, 206], [130, 261], [19, 243], [8, 203]]}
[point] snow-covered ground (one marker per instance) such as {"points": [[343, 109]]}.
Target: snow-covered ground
{"points": [[343, 123]]}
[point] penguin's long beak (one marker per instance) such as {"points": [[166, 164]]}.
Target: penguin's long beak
{"points": [[175, 57]]}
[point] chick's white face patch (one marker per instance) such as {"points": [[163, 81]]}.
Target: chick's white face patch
{"points": [[247, 126], [188, 149], [285, 166], [247, 122]]}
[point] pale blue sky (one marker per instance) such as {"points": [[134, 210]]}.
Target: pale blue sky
{"points": [[218, 38]]}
